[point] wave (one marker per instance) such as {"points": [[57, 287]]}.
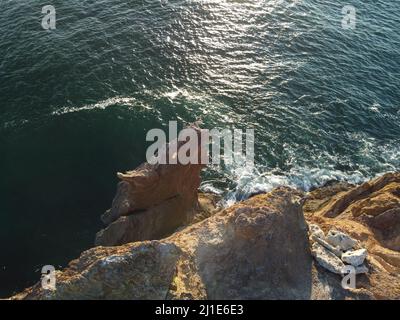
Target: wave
{"points": [[250, 181], [125, 101]]}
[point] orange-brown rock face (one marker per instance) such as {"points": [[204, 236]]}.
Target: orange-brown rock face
{"points": [[255, 249], [151, 202], [369, 213]]}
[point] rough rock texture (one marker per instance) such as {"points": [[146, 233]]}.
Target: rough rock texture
{"points": [[327, 259], [119, 232], [340, 240], [335, 253], [140, 270], [316, 231], [152, 201], [369, 213], [256, 249], [355, 258], [153, 223]]}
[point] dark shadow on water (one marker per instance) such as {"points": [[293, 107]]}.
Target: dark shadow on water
{"points": [[56, 182]]}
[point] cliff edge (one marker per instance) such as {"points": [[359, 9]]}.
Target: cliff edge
{"points": [[266, 247]]}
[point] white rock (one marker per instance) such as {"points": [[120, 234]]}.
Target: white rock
{"points": [[328, 246], [327, 259], [316, 231], [340, 240], [358, 270], [355, 258]]}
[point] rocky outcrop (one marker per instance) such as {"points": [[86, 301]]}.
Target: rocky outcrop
{"points": [[255, 249], [335, 252], [141, 270], [152, 201], [370, 214]]}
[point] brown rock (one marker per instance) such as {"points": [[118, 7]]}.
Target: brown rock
{"points": [[154, 223], [340, 202], [134, 271], [257, 249], [152, 201], [319, 197], [208, 205], [150, 185], [370, 213]]}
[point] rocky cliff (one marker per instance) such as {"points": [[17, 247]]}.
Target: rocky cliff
{"points": [[153, 200], [267, 247], [370, 214]]}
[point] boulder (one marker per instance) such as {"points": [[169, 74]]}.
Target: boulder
{"points": [[257, 249], [152, 201], [355, 258], [369, 214], [327, 259], [340, 240], [327, 246]]}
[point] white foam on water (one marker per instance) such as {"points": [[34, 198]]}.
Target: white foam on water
{"points": [[373, 157], [208, 187], [126, 101], [249, 181]]}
